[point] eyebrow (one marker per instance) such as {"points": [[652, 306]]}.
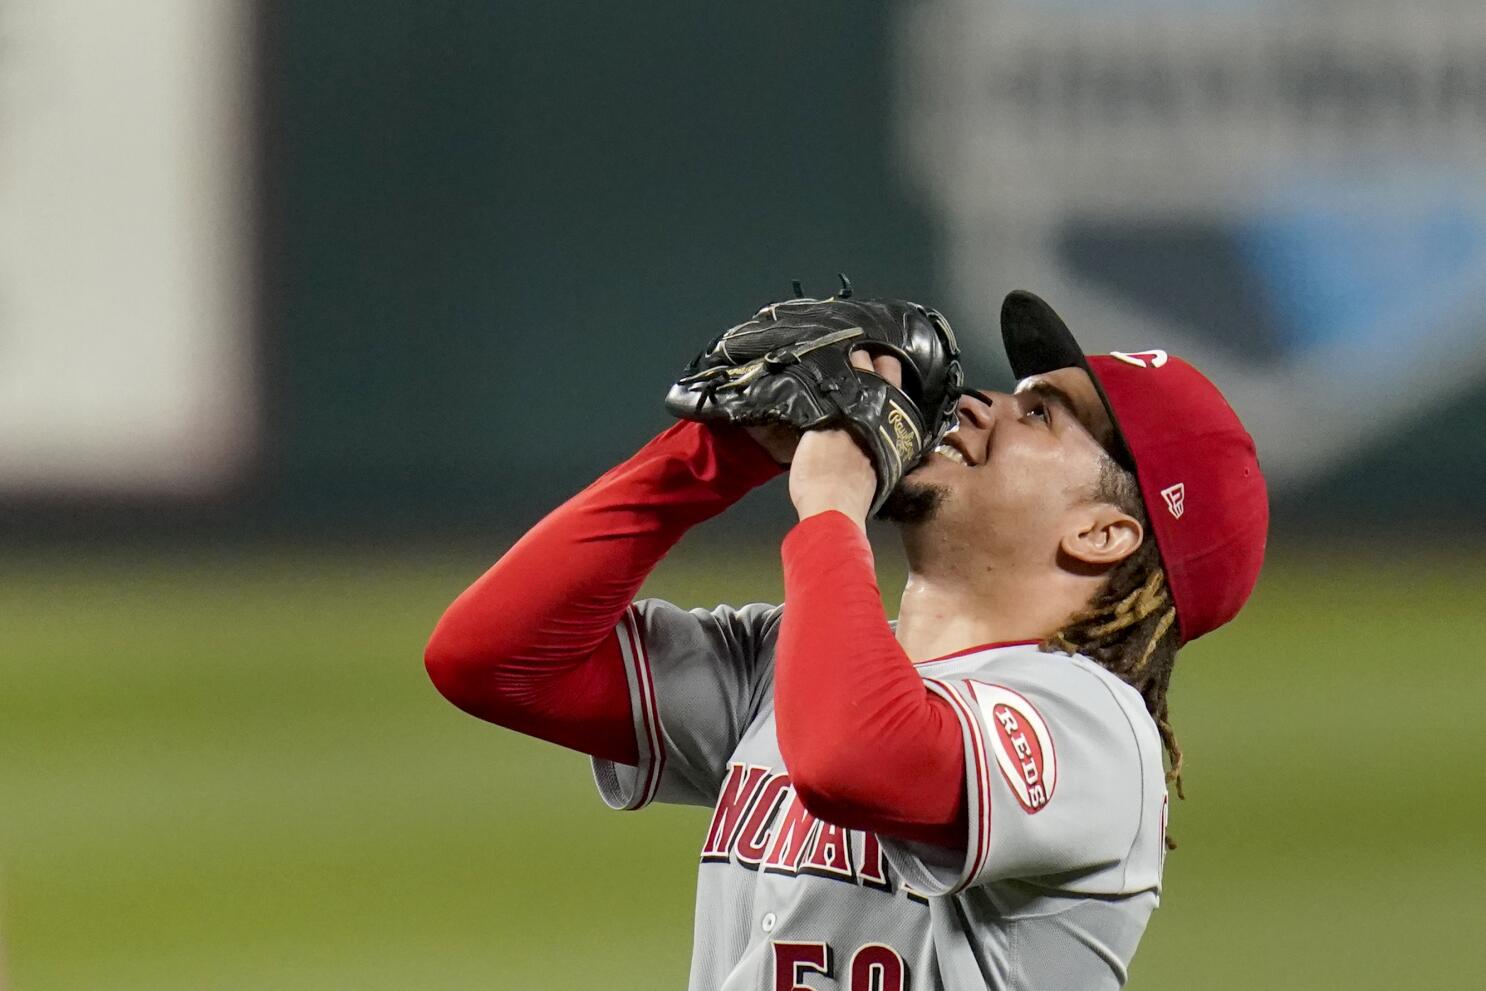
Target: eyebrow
{"points": [[1051, 393]]}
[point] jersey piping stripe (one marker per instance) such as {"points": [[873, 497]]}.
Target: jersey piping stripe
{"points": [[649, 712], [983, 781], [976, 650]]}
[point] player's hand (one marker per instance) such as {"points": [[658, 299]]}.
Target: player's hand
{"points": [[779, 439], [830, 470]]}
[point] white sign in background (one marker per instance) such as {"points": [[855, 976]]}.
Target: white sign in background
{"points": [[126, 342], [1343, 145]]}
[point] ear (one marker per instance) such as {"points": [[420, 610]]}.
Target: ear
{"points": [[1102, 535]]}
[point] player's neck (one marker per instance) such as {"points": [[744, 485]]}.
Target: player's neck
{"points": [[943, 613]]}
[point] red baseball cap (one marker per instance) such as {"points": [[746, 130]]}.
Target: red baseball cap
{"points": [[1197, 468]]}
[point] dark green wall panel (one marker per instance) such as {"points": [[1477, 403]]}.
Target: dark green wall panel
{"points": [[497, 230]]}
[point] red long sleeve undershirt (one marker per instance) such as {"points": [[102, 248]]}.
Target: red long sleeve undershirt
{"points": [[866, 744], [532, 646]]}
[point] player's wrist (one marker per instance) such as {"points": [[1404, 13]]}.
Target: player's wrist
{"points": [[831, 472], [850, 505]]}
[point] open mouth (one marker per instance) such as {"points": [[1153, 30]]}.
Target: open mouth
{"points": [[951, 449], [952, 454]]}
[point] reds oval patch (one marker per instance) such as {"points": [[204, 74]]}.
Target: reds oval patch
{"points": [[1023, 745]]}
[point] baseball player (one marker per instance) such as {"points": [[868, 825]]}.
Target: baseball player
{"points": [[974, 796]]}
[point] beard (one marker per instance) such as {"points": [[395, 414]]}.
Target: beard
{"points": [[912, 503]]}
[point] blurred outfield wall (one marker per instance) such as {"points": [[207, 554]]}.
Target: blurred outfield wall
{"points": [[490, 185], [484, 236]]}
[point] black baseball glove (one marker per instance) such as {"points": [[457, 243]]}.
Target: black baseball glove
{"points": [[791, 364]]}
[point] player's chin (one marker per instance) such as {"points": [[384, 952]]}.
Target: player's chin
{"points": [[916, 500]]}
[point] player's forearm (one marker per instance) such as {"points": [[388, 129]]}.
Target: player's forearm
{"points": [[513, 647], [866, 745]]}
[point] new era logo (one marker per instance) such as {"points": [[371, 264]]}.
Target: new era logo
{"points": [[1176, 499]]}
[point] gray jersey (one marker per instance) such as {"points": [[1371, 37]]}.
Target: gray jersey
{"points": [[1059, 873]]}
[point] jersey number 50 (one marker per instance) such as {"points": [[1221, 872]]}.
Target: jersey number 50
{"points": [[873, 967]]}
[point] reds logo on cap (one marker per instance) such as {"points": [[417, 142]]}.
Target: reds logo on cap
{"points": [[1024, 746], [1154, 358]]}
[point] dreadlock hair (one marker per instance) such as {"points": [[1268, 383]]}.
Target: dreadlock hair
{"points": [[1130, 625]]}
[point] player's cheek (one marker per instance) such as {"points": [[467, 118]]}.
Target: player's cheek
{"points": [[1014, 486]]}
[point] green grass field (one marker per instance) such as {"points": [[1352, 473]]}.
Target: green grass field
{"points": [[230, 772]]}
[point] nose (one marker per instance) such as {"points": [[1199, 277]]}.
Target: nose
{"points": [[977, 408]]}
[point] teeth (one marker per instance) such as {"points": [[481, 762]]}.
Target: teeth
{"points": [[952, 453]]}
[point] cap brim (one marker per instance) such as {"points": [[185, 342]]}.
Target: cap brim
{"points": [[1037, 341]]}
